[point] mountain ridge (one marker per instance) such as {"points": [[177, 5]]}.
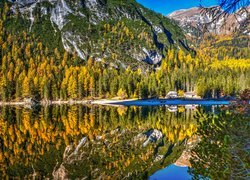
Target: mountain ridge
{"points": [[195, 22], [88, 27]]}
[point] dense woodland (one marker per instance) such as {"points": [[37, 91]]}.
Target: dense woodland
{"points": [[30, 69]]}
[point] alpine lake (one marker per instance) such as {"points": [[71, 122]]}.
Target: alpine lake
{"points": [[98, 142]]}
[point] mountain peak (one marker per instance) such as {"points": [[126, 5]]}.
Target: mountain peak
{"points": [[172, 14], [196, 21]]}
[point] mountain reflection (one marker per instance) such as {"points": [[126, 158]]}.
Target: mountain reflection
{"points": [[92, 142]]}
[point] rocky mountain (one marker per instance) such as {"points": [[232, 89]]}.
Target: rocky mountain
{"points": [[121, 32], [196, 22]]}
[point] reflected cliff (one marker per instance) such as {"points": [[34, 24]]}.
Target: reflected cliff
{"points": [[92, 142]]}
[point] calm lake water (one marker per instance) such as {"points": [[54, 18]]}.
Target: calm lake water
{"points": [[96, 142]]}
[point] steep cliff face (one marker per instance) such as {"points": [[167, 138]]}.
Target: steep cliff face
{"points": [[118, 31]]}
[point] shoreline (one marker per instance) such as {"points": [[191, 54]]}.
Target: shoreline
{"points": [[126, 102], [159, 102], [45, 103]]}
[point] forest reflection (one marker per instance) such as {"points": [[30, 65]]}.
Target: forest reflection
{"points": [[92, 141]]}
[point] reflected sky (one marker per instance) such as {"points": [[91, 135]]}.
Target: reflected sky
{"points": [[172, 172]]}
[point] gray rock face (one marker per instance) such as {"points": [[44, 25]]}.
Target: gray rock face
{"points": [[59, 14], [153, 136], [71, 42], [23, 2], [152, 57]]}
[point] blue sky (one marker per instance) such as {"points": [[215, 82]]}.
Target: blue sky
{"points": [[167, 6]]}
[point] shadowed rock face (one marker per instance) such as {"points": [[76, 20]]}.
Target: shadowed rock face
{"points": [[80, 25]]}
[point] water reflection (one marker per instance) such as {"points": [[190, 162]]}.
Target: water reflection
{"points": [[223, 151], [92, 142], [172, 172]]}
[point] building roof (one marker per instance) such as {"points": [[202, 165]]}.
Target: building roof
{"points": [[172, 92]]}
